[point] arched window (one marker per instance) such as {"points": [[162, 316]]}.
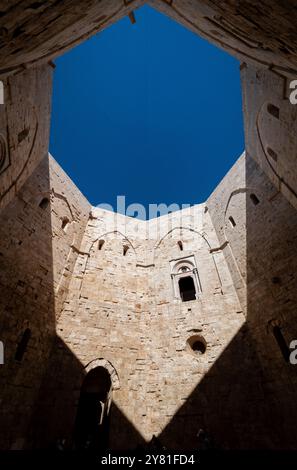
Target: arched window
{"points": [[187, 288], [232, 221], [125, 249], [65, 223], [22, 346], [185, 278], [254, 199], [100, 244], [273, 110], [44, 203]]}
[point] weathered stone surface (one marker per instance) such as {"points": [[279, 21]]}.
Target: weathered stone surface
{"points": [[24, 127], [88, 303], [260, 32], [97, 289], [36, 258], [271, 127]]}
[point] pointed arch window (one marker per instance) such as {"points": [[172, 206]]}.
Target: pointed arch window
{"points": [[185, 279]]}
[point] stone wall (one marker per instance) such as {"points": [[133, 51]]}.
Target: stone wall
{"points": [[271, 249], [97, 289], [121, 309], [260, 250], [271, 127], [24, 128], [36, 32], [228, 201], [115, 307], [36, 261]]}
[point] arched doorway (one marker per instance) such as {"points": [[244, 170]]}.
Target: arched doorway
{"points": [[92, 421]]}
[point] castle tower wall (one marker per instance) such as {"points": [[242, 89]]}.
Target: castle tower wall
{"points": [[37, 257], [260, 250], [123, 310]]}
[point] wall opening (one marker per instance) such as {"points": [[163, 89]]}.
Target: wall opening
{"points": [[254, 199], [23, 344], [197, 345], [64, 224], [187, 288], [100, 244], [273, 110], [92, 421], [181, 246], [125, 249], [272, 154], [232, 221], [44, 203]]}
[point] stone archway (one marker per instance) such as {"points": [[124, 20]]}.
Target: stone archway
{"points": [[93, 414], [100, 362]]}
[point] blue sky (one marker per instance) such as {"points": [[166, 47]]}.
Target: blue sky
{"points": [[150, 111]]}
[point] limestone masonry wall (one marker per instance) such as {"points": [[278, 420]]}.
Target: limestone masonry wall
{"points": [[83, 288], [260, 249], [124, 311], [24, 128], [98, 288], [271, 127], [36, 260], [229, 200]]}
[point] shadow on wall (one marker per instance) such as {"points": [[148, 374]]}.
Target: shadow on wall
{"points": [[60, 395], [246, 400], [27, 325], [228, 404], [271, 238]]}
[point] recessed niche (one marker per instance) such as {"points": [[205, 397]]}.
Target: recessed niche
{"points": [[273, 110], [272, 154], [65, 223], [232, 221], [197, 345], [100, 244], [23, 135], [44, 203], [22, 345], [254, 199]]}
